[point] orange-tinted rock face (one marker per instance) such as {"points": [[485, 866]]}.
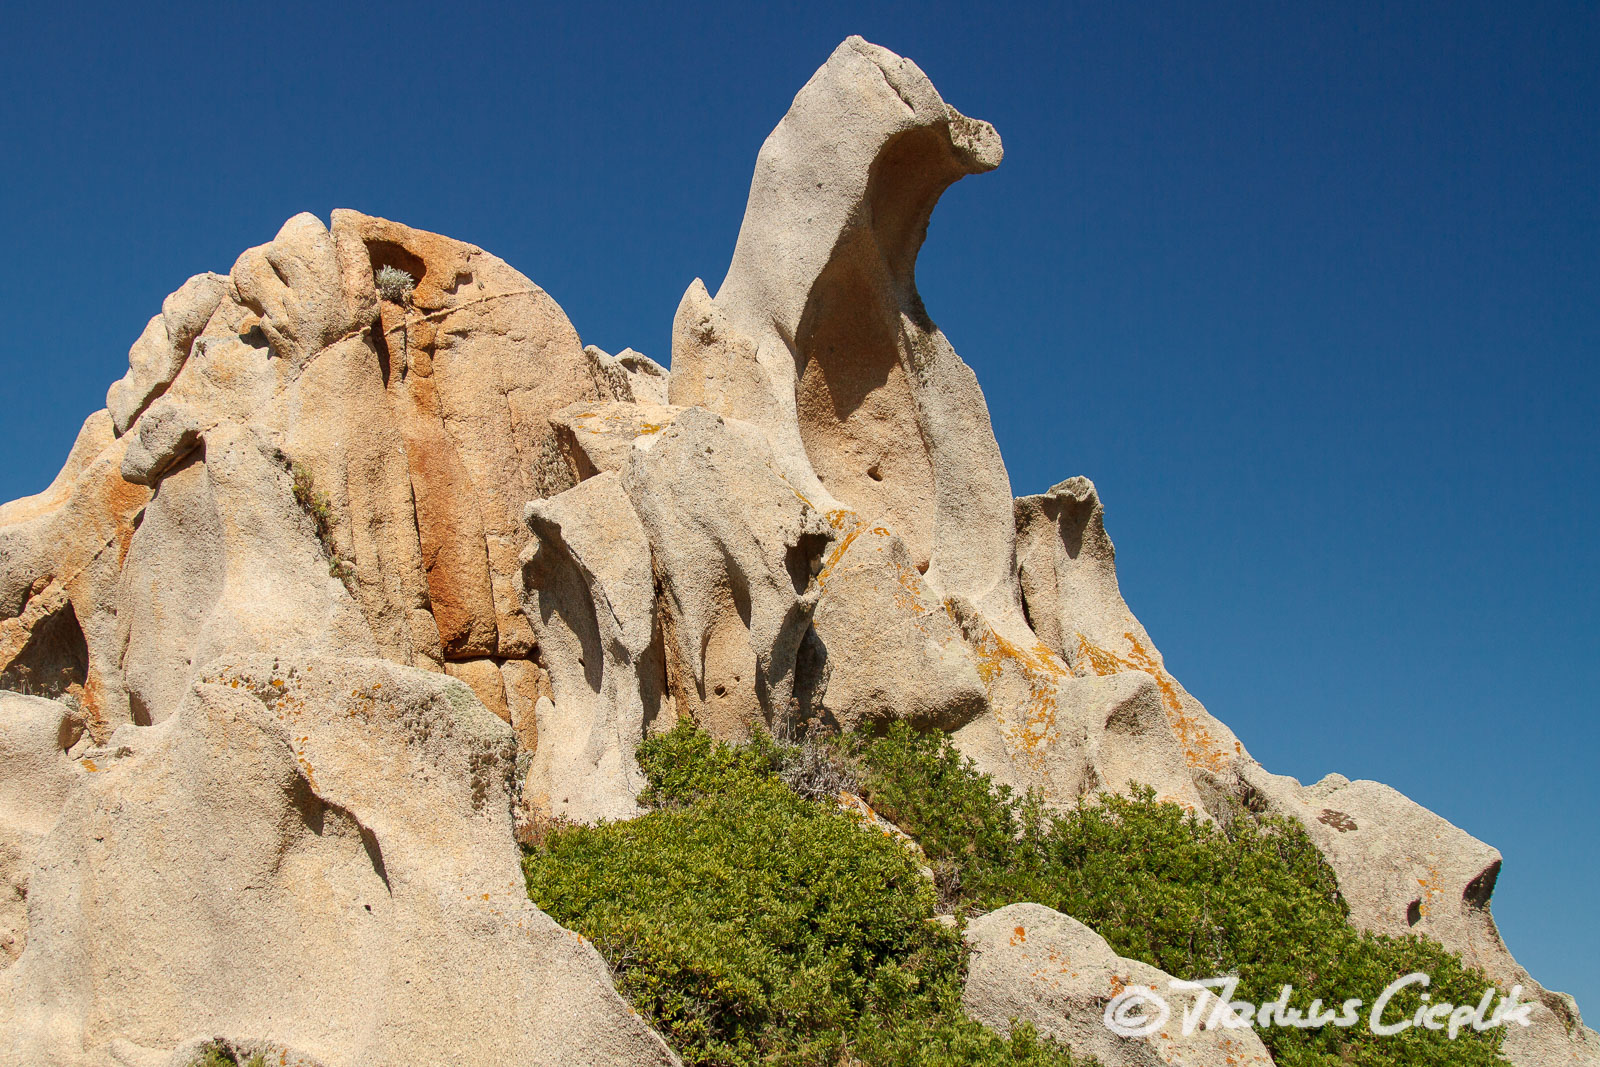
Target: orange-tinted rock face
{"points": [[406, 436], [475, 364]]}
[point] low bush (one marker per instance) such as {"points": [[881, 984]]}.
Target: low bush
{"points": [[319, 509], [752, 926], [1250, 896]]}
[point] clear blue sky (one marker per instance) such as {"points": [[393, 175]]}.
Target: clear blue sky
{"points": [[1311, 291]]}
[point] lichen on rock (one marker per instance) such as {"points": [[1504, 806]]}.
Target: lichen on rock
{"points": [[370, 561]]}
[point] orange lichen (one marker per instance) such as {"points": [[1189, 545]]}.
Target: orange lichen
{"points": [[1431, 889], [840, 547], [1200, 749], [1030, 729]]}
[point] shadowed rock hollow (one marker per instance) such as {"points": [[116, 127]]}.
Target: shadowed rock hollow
{"points": [[348, 581]]}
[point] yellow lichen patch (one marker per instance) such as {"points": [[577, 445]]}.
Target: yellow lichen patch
{"points": [[908, 598], [1200, 749], [839, 518], [1029, 726], [1431, 890], [840, 547]]}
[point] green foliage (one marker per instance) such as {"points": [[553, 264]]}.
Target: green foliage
{"points": [[222, 1054], [319, 509], [751, 926], [1252, 897]]}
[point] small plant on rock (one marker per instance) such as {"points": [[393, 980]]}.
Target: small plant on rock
{"points": [[394, 284], [222, 1054], [319, 510]]}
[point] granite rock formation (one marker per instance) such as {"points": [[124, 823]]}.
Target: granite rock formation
{"points": [[350, 584]]}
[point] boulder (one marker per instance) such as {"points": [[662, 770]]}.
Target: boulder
{"points": [[599, 437], [817, 334], [1034, 965], [1064, 735], [35, 736], [1066, 565], [883, 645], [591, 600], [311, 853], [160, 352], [1403, 869], [226, 563], [735, 549]]}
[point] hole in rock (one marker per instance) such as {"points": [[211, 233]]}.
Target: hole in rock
{"points": [[799, 557], [389, 254], [55, 657], [1481, 888]]}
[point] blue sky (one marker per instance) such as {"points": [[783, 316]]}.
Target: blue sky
{"points": [[1312, 292]]}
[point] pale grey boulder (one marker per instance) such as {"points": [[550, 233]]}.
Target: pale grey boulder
{"points": [[1035, 965], [591, 600], [1066, 736], [884, 646], [1066, 565], [160, 352], [316, 854], [735, 548], [1403, 869], [817, 334], [35, 737], [227, 563], [817, 337]]}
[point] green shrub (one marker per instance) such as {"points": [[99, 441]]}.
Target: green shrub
{"points": [[222, 1054], [751, 926], [1251, 897]]}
